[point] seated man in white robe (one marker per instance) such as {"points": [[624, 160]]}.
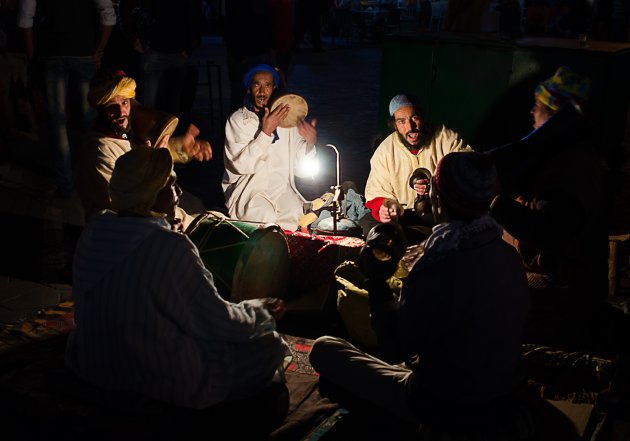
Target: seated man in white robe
{"points": [[262, 159]]}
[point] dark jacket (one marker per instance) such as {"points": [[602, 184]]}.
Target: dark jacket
{"points": [[459, 322], [554, 204]]}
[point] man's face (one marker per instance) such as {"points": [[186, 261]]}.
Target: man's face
{"points": [[117, 114], [408, 122], [168, 198], [261, 89], [540, 113]]}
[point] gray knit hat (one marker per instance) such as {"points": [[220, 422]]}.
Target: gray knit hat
{"points": [[400, 101]]}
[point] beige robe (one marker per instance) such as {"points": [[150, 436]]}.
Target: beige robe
{"points": [[392, 164], [95, 166]]}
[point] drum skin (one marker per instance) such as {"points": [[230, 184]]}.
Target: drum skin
{"points": [[150, 124], [298, 109], [247, 259]]}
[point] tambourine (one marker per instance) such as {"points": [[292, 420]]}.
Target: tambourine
{"points": [[298, 109], [150, 124]]}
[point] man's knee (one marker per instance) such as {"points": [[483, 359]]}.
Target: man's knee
{"points": [[324, 349]]}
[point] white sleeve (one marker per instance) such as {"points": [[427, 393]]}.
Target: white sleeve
{"points": [[26, 13], [379, 180], [205, 315], [245, 151], [106, 12]]}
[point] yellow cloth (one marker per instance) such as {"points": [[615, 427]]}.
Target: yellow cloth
{"points": [[564, 87], [392, 164], [102, 93], [138, 177]]}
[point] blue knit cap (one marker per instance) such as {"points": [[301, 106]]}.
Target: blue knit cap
{"points": [[400, 101], [247, 79]]}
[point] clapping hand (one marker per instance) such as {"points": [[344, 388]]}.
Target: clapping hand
{"points": [[272, 119], [196, 148], [308, 131]]}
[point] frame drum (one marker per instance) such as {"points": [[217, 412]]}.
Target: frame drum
{"points": [[150, 124], [298, 109], [247, 259]]}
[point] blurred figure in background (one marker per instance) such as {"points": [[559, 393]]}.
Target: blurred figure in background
{"points": [[66, 40], [554, 207]]}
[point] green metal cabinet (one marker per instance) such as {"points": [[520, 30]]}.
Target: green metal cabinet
{"points": [[482, 86]]}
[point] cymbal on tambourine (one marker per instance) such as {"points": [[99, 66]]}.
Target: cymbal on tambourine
{"points": [[298, 109]]}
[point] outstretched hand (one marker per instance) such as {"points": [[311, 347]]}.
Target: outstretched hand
{"points": [[390, 210], [198, 149], [308, 131], [272, 119]]}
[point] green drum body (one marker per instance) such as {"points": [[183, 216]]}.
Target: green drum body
{"points": [[247, 259]]}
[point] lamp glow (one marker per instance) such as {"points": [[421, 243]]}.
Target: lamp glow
{"points": [[310, 167]]}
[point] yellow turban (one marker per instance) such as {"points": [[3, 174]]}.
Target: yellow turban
{"points": [[563, 88], [104, 89], [138, 177]]}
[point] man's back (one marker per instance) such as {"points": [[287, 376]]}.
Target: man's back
{"points": [[149, 318], [463, 312]]}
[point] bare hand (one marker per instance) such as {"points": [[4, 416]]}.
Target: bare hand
{"points": [[386, 214], [308, 131], [163, 143], [421, 186], [273, 119], [390, 210], [199, 149], [276, 307]]}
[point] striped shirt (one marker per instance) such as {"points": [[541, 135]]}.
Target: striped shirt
{"points": [[149, 319]]}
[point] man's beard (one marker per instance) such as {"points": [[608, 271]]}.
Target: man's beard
{"points": [[423, 138], [409, 145], [120, 130]]}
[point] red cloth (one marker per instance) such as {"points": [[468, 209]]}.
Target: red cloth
{"points": [[374, 205], [313, 259]]}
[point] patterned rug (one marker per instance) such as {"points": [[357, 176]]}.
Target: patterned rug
{"points": [[48, 323], [300, 348]]}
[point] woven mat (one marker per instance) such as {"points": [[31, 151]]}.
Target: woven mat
{"points": [[49, 323]]}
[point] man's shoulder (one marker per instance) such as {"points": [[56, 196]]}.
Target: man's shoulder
{"points": [[242, 114], [443, 130], [386, 144], [98, 140]]}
